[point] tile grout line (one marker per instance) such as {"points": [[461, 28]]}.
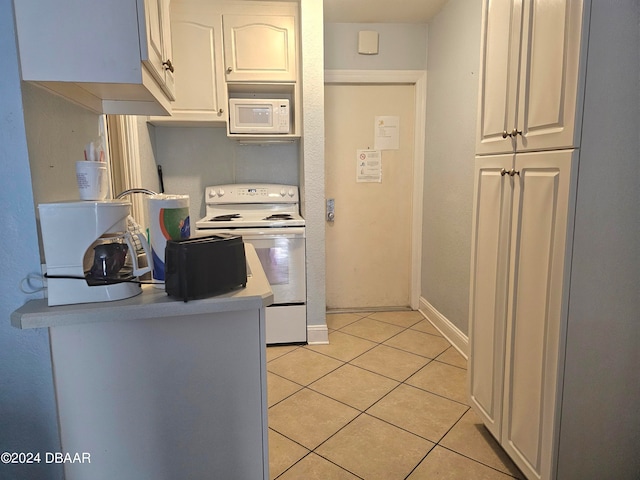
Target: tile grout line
{"points": [[364, 412]]}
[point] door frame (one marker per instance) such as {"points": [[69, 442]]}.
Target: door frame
{"points": [[417, 78]]}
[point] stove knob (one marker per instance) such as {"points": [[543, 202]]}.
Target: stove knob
{"points": [[283, 192], [212, 193], [220, 192], [291, 192]]}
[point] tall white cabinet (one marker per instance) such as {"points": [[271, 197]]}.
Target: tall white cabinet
{"points": [[531, 52], [525, 174]]}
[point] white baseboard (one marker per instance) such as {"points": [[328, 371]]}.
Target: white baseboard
{"points": [[317, 335], [448, 330]]}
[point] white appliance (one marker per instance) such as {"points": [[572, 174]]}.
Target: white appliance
{"points": [[267, 216], [89, 253], [253, 115]]}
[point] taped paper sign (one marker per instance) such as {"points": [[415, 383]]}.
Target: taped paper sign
{"points": [[368, 166], [387, 133]]}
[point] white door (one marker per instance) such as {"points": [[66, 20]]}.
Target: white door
{"points": [[534, 352], [548, 80], [368, 246], [491, 227], [500, 49]]}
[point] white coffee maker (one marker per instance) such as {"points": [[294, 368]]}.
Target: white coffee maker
{"points": [[89, 252]]}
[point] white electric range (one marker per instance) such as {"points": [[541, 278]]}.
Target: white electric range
{"points": [[267, 216]]}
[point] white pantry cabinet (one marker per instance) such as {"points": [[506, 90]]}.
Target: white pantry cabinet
{"points": [[259, 48], [520, 255], [196, 30], [111, 57], [530, 87]]}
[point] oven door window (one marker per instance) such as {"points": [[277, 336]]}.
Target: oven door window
{"points": [[283, 262], [275, 263]]}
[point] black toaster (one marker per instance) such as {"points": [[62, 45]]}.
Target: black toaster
{"points": [[201, 267]]}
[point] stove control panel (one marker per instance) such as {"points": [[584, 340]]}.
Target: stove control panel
{"points": [[251, 193]]}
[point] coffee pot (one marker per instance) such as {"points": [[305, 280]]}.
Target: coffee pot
{"points": [[113, 259], [90, 254]]}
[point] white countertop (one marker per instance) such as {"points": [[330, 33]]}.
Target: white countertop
{"points": [[151, 303]]}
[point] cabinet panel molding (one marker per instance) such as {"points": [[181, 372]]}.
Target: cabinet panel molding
{"points": [[521, 222], [532, 53], [259, 48], [489, 281]]}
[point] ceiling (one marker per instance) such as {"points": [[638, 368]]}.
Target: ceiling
{"points": [[381, 11]]}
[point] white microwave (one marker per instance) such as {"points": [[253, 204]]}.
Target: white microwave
{"points": [[253, 115]]}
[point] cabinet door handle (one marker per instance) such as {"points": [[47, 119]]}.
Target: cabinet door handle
{"points": [[229, 69], [515, 132], [168, 65], [220, 112], [510, 172]]}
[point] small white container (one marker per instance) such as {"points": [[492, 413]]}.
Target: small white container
{"points": [[92, 180]]}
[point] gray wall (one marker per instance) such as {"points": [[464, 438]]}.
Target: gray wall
{"points": [[600, 430], [401, 47], [452, 93], [27, 407], [57, 132], [193, 158]]}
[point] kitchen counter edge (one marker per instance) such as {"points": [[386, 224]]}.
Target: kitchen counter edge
{"points": [[151, 303]]}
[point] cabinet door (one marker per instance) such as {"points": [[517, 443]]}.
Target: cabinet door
{"points": [[196, 44], [158, 44], [534, 347], [500, 50], [259, 48], [493, 193], [548, 108], [530, 75]]}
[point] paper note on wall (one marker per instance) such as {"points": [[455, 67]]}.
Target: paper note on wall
{"points": [[368, 166], [387, 133]]}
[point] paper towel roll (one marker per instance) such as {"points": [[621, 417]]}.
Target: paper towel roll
{"points": [[169, 220]]}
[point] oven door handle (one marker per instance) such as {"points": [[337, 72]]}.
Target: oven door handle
{"points": [[268, 235], [257, 233]]}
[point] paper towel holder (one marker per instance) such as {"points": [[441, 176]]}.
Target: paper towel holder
{"points": [[368, 42]]}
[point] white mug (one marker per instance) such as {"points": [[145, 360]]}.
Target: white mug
{"points": [[92, 180]]}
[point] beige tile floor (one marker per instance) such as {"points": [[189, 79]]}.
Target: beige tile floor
{"points": [[386, 399]]}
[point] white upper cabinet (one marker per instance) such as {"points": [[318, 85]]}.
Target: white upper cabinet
{"points": [[196, 30], [529, 82], [232, 49], [259, 48], [158, 56], [111, 57]]}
